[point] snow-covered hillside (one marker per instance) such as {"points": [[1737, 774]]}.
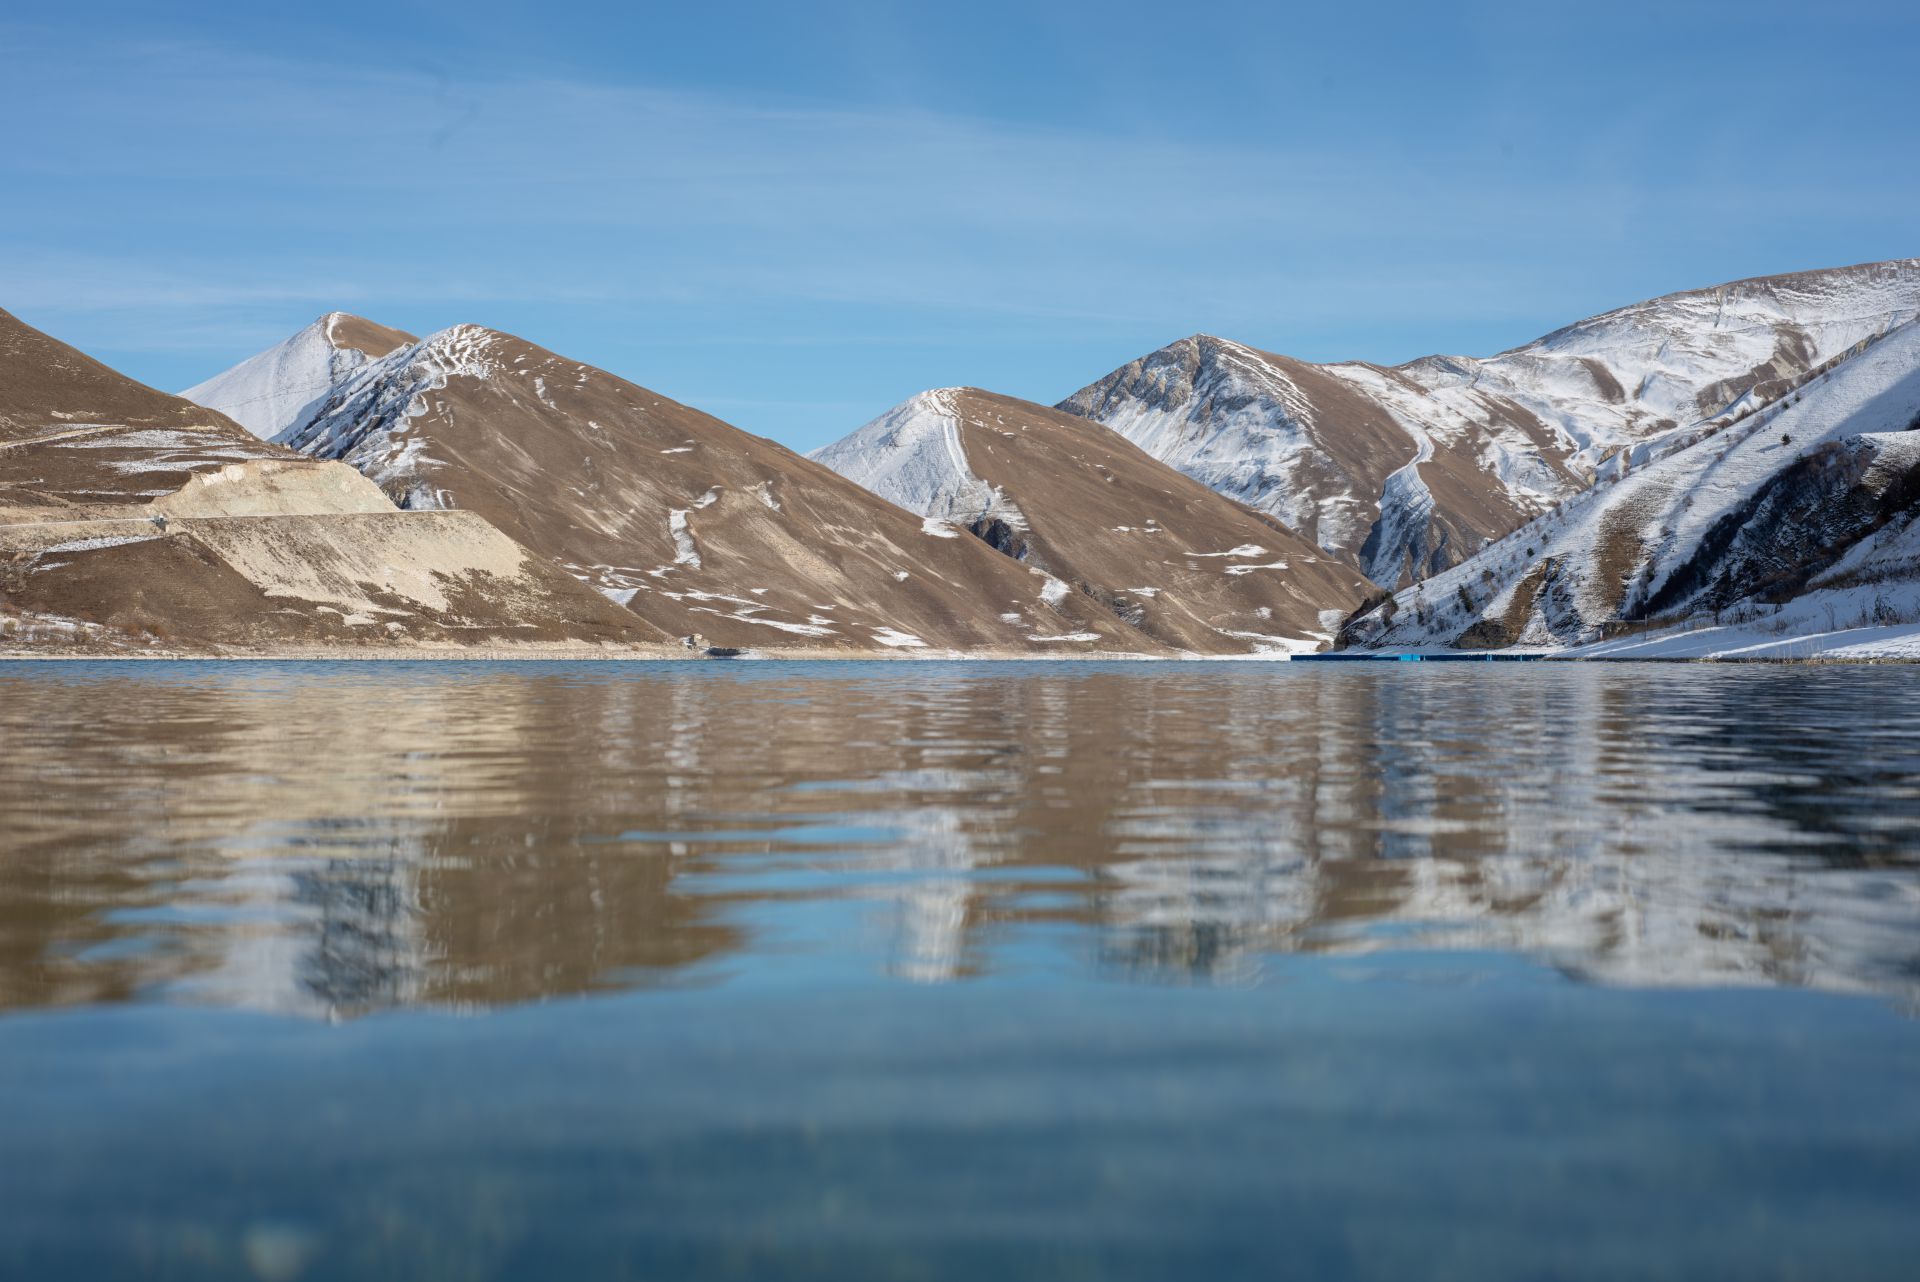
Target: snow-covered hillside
{"points": [[1413, 468], [1692, 357], [1792, 521], [912, 456], [278, 391], [367, 417]]}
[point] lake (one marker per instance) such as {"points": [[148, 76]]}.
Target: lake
{"points": [[927, 970]]}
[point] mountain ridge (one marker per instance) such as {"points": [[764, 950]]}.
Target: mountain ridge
{"points": [[276, 391], [1490, 442], [980, 523]]}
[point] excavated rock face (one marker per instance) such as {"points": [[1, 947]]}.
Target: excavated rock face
{"points": [[292, 486], [1413, 469], [1800, 522], [692, 524], [254, 583], [1104, 520]]}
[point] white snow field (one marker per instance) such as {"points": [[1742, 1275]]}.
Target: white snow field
{"points": [[912, 456]]}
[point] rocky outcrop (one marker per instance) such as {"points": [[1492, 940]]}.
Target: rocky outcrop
{"points": [[1748, 517]]}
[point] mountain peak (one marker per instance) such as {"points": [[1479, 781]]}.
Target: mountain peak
{"points": [[278, 390], [938, 399], [347, 332]]}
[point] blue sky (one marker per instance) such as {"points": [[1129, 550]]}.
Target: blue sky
{"points": [[794, 215]]}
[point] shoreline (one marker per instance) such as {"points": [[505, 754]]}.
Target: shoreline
{"points": [[665, 654], [678, 655]]}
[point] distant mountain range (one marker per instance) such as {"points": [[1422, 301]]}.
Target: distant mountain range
{"points": [[1730, 457]]}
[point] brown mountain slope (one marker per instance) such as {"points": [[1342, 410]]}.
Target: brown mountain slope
{"points": [[699, 527], [130, 518], [1076, 501], [47, 382], [76, 434]]}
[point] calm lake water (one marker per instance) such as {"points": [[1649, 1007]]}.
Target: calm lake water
{"points": [[1212, 970]]}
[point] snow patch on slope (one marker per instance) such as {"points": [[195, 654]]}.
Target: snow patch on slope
{"points": [[685, 551], [283, 388], [898, 640], [366, 421], [912, 456]]}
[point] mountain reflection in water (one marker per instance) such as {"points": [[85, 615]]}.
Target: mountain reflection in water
{"points": [[335, 840]]}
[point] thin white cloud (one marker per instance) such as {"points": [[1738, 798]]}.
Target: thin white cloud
{"points": [[195, 189], [529, 188]]}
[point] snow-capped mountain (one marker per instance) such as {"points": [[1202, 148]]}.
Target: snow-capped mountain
{"points": [[131, 519], [694, 525], [1413, 468], [1100, 517], [1791, 520], [279, 390]]}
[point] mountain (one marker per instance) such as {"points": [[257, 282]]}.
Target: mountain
{"points": [[280, 389], [697, 527], [1102, 518], [1795, 521], [1413, 468], [130, 519]]}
